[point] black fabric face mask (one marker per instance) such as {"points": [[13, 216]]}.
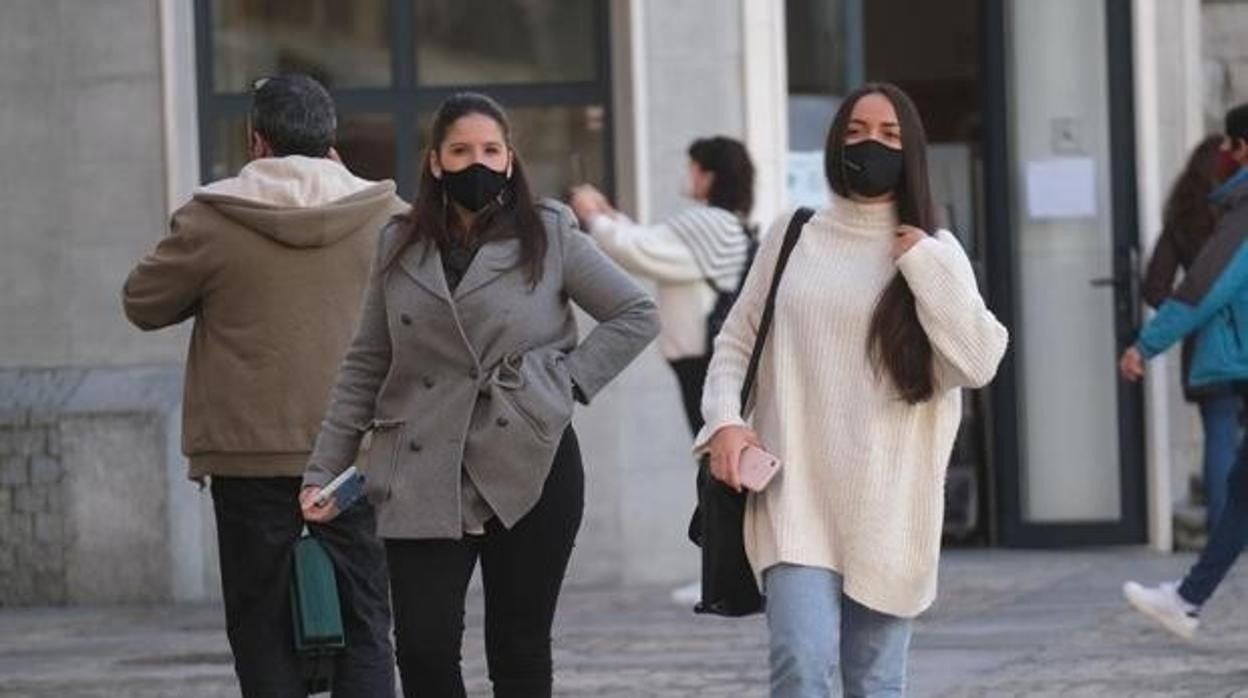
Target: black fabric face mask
{"points": [[872, 168], [474, 186]]}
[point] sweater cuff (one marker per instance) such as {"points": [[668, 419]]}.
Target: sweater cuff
{"points": [[701, 442], [937, 272], [1142, 347], [918, 259]]}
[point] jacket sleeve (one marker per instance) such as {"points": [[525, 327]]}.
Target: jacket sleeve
{"points": [[627, 317], [1177, 318], [966, 337], [1162, 268], [167, 285], [721, 397], [654, 251], [352, 401]]}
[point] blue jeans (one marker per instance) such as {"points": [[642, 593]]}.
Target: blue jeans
{"points": [[1226, 540], [815, 626], [1219, 416]]}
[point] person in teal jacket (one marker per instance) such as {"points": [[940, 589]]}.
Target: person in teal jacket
{"points": [[1212, 302]]}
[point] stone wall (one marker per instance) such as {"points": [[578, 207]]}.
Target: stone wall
{"points": [[32, 531], [94, 503], [81, 129]]}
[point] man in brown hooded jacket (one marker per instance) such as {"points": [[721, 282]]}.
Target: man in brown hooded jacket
{"points": [[272, 266]]}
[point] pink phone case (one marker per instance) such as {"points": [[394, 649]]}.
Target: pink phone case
{"points": [[757, 468]]}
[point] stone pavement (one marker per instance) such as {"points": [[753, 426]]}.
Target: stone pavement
{"points": [[1007, 624]]}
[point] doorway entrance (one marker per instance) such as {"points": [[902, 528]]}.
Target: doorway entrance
{"points": [[1032, 165]]}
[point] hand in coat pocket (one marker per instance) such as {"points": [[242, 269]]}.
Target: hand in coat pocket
{"points": [[538, 386]]}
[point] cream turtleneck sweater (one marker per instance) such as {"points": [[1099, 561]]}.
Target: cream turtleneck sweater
{"points": [[861, 490]]}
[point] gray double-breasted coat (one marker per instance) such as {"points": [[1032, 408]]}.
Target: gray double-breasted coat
{"points": [[479, 379]]}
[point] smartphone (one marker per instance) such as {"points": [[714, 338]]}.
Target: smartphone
{"points": [[343, 490], [757, 468]]}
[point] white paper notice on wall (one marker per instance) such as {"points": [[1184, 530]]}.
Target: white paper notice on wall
{"points": [[807, 185], [1061, 188]]}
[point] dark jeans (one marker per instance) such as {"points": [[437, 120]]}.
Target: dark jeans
{"points": [[522, 571], [258, 522], [691, 374], [1226, 540]]}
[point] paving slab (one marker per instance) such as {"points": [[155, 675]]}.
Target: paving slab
{"points": [[1007, 623]]}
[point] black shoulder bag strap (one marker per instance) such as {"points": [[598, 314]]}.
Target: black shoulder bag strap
{"points": [[717, 525], [791, 234]]}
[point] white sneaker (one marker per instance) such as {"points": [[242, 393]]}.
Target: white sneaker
{"points": [[1164, 605], [688, 595]]}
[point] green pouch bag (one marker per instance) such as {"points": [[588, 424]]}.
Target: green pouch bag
{"points": [[317, 615]]}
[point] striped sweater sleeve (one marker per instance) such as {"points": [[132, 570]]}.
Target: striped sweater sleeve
{"points": [[654, 252], [966, 337], [718, 241], [721, 396]]}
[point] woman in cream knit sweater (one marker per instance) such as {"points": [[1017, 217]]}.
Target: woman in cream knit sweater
{"points": [[878, 326]]}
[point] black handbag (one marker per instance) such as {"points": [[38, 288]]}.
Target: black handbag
{"points": [[724, 299], [718, 522]]}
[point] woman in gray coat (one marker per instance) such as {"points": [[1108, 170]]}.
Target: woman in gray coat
{"points": [[465, 369]]}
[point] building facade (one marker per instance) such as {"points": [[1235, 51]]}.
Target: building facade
{"points": [[1054, 126]]}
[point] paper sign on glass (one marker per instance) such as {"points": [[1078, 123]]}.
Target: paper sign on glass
{"points": [[1061, 188]]}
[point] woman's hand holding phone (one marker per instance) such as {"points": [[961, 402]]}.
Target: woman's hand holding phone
{"points": [[314, 512], [726, 446]]}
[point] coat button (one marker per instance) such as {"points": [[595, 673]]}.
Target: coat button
{"points": [[428, 382], [414, 446], [502, 422], [405, 319], [474, 374]]}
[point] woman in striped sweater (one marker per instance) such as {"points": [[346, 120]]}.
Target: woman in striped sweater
{"points": [[878, 325], [693, 256]]}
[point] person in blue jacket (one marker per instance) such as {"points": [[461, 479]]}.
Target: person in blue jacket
{"points": [[1212, 303]]}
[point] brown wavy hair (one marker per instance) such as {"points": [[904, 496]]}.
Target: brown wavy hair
{"points": [[430, 215], [1188, 215], [896, 342]]}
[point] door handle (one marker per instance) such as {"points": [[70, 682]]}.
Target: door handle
{"points": [[1125, 283], [1116, 281], [1125, 278]]}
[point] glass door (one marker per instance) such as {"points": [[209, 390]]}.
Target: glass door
{"points": [[1070, 459]]}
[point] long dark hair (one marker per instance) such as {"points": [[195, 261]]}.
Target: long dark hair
{"points": [[429, 217], [896, 342], [732, 187], [1188, 216]]}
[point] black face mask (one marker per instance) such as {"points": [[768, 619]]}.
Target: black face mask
{"points": [[475, 186], [872, 168]]}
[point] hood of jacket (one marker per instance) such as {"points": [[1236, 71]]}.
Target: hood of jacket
{"points": [[297, 201]]}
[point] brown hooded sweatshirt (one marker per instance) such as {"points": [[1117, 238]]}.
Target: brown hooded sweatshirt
{"points": [[272, 265]]}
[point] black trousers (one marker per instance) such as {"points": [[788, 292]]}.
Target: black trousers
{"points": [[258, 522], [522, 570], [691, 373]]}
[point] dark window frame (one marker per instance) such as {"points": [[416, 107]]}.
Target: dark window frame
{"points": [[405, 100]]}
